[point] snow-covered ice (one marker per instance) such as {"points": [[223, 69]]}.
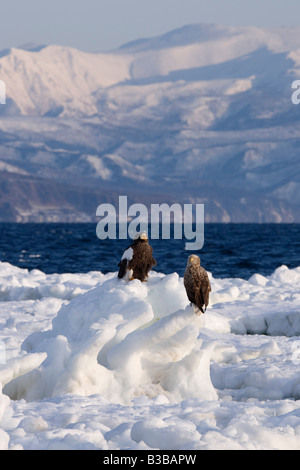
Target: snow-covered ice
{"points": [[88, 361]]}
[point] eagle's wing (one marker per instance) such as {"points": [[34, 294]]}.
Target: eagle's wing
{"points": [[122, 268], [204, 289], [190, 286], [125, 260], [199, 298]]}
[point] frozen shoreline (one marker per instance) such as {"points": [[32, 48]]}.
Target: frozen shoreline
{"points": [[96, 363]]}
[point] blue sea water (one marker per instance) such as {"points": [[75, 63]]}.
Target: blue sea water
{"points": [[230, 250]]}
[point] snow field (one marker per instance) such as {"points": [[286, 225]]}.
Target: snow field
{"points": [[92, 362]]}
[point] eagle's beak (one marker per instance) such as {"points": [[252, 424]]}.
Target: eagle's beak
{"points": [[143, 236]]}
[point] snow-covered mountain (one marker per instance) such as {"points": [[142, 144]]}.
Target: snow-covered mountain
{"points": [[200, 114]]}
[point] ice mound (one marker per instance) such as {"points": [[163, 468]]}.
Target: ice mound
{"points": [[18, 284], [4, 404], [129, 366], [121, 340]]}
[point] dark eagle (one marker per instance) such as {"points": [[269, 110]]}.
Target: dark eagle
{"points": [[137, 259], [196, 284]]}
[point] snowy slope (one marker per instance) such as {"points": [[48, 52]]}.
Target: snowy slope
{"points": [[54, 76], [207, 104], [88, 361]]}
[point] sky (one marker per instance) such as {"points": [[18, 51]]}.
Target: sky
{"points": [[101, 25]]}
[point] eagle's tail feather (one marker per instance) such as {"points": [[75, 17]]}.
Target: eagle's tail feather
{"points": [[122, 270]]}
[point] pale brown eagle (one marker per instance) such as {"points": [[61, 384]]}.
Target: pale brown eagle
{"points": [[137, 260], [197, 284]]}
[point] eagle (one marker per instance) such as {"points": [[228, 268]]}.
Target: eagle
{"points": [[137, 259], [196, 284]]}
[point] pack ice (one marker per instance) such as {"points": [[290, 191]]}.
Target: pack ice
{"points": [[121, 339], [88, 361]]}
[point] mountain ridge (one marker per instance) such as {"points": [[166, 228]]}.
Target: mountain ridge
{"points": [[207, 119]]}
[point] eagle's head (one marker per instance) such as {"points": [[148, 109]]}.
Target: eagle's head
{"points": [[193, 260], [141, 236]]}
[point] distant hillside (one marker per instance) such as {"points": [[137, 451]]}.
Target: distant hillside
{"points": [[200, 114]]}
